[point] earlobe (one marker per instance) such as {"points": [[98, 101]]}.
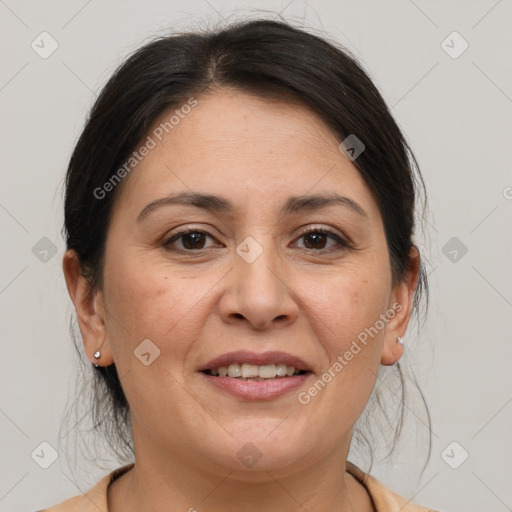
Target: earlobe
{"points": [[392, 351], [90, 311], [403, 297]]}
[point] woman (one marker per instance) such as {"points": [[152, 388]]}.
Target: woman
{"points": [[239, 216]]}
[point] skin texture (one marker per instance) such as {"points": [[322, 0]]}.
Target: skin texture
{"points": [[300, 296]]}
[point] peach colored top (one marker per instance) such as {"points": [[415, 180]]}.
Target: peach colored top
{"points": [[95, 500]]}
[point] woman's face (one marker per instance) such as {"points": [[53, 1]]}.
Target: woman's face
{"points": [[249, 279]]}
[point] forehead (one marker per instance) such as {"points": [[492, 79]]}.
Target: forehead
{"points": [[245, 147]]}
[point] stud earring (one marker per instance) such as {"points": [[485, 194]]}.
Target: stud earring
{"points": [[400, 340], [97, 355]]}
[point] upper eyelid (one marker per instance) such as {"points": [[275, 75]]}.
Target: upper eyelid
{"points": [[300, 231]]}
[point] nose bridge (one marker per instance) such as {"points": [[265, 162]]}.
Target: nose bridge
{"points": [[257, 265], [258, 287]]}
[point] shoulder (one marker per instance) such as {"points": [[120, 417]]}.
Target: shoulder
{"points": [[383, 498], [94, 499]]}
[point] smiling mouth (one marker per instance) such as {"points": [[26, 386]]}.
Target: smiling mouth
{"points": [[255, 373]]}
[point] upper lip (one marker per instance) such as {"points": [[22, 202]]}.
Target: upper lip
{"points": [[246, 356]]}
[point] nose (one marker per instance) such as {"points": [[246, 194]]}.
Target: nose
{"points": [[259, 292]]}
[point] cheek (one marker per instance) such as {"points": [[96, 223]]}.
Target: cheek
{"points": [[147, 302], [350, 302], [347, 318]]}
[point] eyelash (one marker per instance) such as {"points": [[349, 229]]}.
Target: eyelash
{"points": [[342, 243]]}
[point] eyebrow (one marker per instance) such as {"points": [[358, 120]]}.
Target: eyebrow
{"points": [[213, 203]]}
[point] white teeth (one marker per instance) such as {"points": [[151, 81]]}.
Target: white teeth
{"points": [[249, 370], [267, 371], [254, 371], [234, 370], [281, 370]]}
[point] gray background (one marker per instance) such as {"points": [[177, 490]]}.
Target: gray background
{"points": [[456, 114]]}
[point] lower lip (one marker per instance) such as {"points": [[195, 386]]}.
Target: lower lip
{"points": [[257, 390]]}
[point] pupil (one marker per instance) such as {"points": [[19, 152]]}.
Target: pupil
{"points": [[195, 238], [318, 238]]}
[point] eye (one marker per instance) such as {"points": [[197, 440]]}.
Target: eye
{"points": [[191, 240], [315, 239]]}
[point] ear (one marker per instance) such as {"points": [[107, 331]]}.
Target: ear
{"points": [[402, 298], [89, 309]]}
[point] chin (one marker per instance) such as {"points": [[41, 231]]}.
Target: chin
{"points": [[260, 446]]}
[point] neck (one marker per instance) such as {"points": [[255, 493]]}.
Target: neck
{"points": [[159, 482]]}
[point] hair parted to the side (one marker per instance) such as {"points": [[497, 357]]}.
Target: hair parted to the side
{"points": [[268, 58]]}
